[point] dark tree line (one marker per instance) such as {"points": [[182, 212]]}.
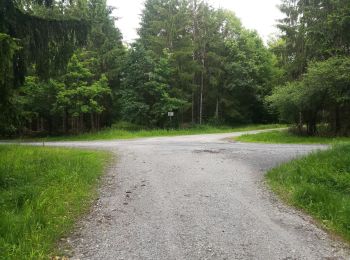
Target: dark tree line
{"points": [[65, 61], [221, 71], [191, 59], [64, 68], [314, 53], [28, 39]]}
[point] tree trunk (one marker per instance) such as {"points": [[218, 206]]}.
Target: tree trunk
{"points": [[201, 94], [194, 56], [217, 108], [193, 107], [337, 125], [64, 121], [50, 125], [71, 128], [37, 125], [300, 124], [41, 124], [98, 122], [202, 78], [81, 123], [201, 105], [312, 126], [92, 122], [74, 127]]}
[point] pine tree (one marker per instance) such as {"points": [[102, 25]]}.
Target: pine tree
{"points": [[145, 95]]}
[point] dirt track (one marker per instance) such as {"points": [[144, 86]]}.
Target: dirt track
{"points": [[196, 197]]}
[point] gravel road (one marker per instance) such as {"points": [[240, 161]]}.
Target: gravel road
{"points": [[196, 197]]}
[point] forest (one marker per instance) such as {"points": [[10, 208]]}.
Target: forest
{"points": [[64, 68]]}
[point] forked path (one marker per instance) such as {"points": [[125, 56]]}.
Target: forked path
{"points": [[196, 197]]}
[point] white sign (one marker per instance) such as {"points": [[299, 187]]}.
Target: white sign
{"points": [[170, 114]]}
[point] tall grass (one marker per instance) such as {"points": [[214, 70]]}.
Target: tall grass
{"points": [[286, 137], [42, 192], [320, 185], [127, 133]]}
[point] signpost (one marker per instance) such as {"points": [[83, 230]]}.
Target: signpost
{"points": [[170, 115]]}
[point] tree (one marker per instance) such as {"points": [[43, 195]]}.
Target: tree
{"points": [[145, 94], [166, 24], [81, 95], [27, 38], [327, 93], [249, 74], [37, 99], [315, 40], [71, 103], [47, 43], [313, 30], [99, 53], [201, 41], [191, 58], [321, 96], [9, 48], [106, 53]]}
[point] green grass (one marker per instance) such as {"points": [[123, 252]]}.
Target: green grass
{"points": [[319, 184], [110, 134], [286, 137], [42, 192]]}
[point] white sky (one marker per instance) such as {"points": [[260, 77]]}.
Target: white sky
{"points": [[260, 15]]}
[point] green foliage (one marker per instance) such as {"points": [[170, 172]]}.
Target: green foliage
{"points": [[250, 69], [214, 70], [47, 42], [73, 96], [222, 70], [105, 43], [191, 59], [145, 97], [331, 78], [285, 100], [8, 49], [9, 117], [28, 38], [42, 192], [320, 185], [322, 95], [314, 43], [81, 94], [38, 97]]}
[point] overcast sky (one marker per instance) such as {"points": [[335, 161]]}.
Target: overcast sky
{"points": [[255, 14]]}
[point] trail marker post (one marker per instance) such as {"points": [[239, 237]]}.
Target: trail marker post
{"points": [[170, 115]]}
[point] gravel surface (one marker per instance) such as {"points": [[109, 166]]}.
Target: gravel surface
{"points": [[196, 197]]}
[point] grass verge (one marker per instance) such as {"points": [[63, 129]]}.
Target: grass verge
{"points": [[42, 192], [286, 137], [319, 184], [110, 134]]}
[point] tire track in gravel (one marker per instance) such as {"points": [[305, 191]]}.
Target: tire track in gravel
{"points": [[196, 197]]}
